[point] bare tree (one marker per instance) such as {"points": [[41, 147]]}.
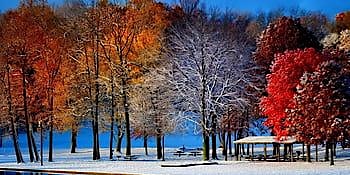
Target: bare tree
{"points": [[152, 107], [210, 71]]}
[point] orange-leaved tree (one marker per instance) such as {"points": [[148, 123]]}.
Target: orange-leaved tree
{"points": [[130, 46], [24, 39]]}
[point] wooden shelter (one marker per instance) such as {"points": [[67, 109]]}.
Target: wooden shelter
{"points": [[253, 140]]}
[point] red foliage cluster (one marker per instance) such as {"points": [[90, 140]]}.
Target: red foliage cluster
{"points": [[281, 35], [282, 82], [322, 105]]}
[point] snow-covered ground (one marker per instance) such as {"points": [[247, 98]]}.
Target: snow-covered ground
{"points": [[82, 161]]}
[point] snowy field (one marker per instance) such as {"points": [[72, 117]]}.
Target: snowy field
{"points": [[82, 161]]}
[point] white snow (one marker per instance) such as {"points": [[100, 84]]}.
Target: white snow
{"points": [[82, 161]]}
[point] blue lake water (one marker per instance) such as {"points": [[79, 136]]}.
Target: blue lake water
{"points": [[84, 140]]}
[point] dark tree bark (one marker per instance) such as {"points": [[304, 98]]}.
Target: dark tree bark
{"points": [[206, 146], [92, 114], [316, 150], [145, 145], [223, 143], [51, 125], [1, 131], [112, 120], [26, 116], [332, 153], [14, 134], [127, 117], [326, 156], [163, 147], [36, 153], [96, 151], [308, 153], [74, 134], [229, 141], [159, 146], [120, 138], [213, 137]]}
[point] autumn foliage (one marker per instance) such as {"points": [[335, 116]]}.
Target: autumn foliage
{"points": [[322, 105], [282, 82], [281, 35], [342, 21]]}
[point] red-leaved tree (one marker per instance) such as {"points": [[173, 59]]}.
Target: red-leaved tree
{"points": [[281, 35], [282, 82], [322, 105]]}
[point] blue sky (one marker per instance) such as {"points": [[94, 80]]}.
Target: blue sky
{"points": [[329, 7]]}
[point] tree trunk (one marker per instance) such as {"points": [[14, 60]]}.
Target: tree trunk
{"points": [[316, 150], [213, 138], [51, 125], [145, 139], [205, 147], [223, 143], [14, 134], [229, 141], [127, 118], [308, 153], [97, 96], [74, 134], [26, 116], [120, 138], [326, 155], [335, 149], [221, 136], [285, 151], [163, 147], [1, 133], [94, 149], [332, 153], [203, 108], [111, 139], [50, 140], [36, 153], [159, 146], [235, 145], [112, 120]]}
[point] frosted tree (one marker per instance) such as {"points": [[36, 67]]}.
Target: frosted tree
{"points": [[209, 70], [152, 108]]}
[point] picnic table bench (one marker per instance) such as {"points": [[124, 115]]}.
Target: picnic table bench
{"points": [[188, 151]]}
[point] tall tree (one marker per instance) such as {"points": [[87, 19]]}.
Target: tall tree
{"points": [[7, 109], [25, 40], [322, 101], [136, 28], [209, 71], [152, 107]]}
